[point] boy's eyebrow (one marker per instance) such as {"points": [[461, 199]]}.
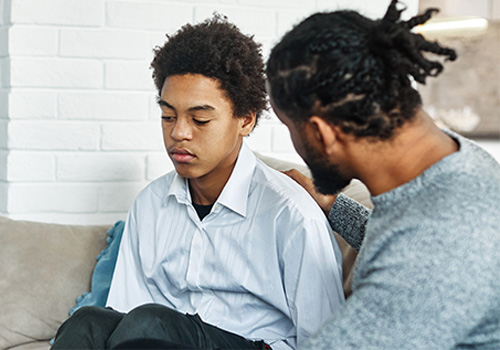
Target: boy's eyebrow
{"points": [[164, 103], [202, 108], [194, 108]]}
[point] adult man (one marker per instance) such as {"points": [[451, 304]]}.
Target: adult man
{"points": [[224, 252], [426, 276]]}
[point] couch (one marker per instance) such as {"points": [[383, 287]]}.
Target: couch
{"points": [[45, 267]]}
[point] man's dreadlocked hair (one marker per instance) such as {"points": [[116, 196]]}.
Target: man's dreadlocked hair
{"points": [[353, 71], [216, 49]]}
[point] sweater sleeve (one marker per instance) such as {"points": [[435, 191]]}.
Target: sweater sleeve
{"points": [[348, 218], [418, 294]]}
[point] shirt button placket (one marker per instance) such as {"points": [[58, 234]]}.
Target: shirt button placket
{"points": [[195, 258]]}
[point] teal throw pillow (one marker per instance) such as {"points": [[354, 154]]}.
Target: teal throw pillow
{"points": [[103, 272]]}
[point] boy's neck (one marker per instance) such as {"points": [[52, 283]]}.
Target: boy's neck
{"points": [[206, 189]]}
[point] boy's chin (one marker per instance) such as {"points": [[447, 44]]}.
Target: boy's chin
{"points": [[187, 173]]}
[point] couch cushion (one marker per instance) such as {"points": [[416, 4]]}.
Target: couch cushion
{"points": [[43, 267], [36, 345]]}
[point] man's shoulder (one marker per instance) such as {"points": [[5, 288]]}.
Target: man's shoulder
{"points": [[474, 165], [469, 178]]}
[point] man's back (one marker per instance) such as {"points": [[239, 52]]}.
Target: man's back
{"points": [[429, 261]]}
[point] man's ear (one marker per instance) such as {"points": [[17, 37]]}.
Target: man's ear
{"points": [[325, 134], [248, 123]]}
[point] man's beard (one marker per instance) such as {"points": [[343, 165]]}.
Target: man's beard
{"points": [[326, 177]]}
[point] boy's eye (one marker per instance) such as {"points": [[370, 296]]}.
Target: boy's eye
{"points": [[167, 118], [201, 122]]}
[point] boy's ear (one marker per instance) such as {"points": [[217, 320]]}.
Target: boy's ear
{"points": [[248, 123], [324, 134]]}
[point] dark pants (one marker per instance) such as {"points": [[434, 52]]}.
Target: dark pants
{"points": [[149, 326]]}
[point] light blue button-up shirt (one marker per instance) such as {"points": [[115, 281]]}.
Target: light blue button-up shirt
{"points": [[263, 263]]}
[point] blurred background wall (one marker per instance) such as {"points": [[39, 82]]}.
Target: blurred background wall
{"points": [[466, 96], [79, 127]]}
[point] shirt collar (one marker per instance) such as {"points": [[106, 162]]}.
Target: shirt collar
{"points": [[235, 193], [179, 188]]}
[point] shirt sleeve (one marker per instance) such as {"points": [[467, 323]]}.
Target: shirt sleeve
{"points": [[348, 218], [312, 274], [128, 282]]}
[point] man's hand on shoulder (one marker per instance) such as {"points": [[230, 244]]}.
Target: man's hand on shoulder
{"points": [[324, 201]]}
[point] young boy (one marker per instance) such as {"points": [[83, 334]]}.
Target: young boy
{"points": [[224, 252]]}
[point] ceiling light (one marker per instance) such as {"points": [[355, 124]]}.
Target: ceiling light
{"points": [[453, 23]]}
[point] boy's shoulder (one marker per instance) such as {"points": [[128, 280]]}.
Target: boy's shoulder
{"points": [[279, 189], [158, 187]]}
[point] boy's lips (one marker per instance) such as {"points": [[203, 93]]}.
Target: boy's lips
{"points": [[181, 155]]}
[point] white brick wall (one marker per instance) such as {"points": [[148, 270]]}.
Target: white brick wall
{"points": [[102, 105], [55, 73], [96, 43], [4, 52], [41, 105], [57, 12], [4, 107], [3, 197], [3, 134], [3, 40], [116, 198], [33, 41], [25, 166], [52, 197], [125, 75], [3, 169], [157, 164], [100, 167], [79, 124], [53, 135], [4, 12], [4, 71], [132, 136], [164, 16]]}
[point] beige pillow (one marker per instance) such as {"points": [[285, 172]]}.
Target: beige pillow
{"points": [[43, 268]]}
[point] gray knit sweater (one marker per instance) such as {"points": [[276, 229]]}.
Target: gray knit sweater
{"points": [[428, 271]]}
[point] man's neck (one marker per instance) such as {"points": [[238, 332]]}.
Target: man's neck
{"points": [[416, 146]]}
